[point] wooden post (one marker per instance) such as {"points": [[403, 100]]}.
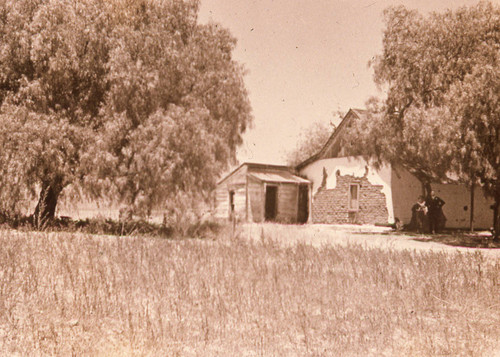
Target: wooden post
{"points": [[233, 225], [310, 205], [246, 198]]}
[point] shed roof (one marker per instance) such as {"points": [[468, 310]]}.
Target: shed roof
{"points": [[252, 166], [278, 177]]}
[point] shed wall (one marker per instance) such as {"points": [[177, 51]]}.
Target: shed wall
{"points": [[238, 177], [288, 195], [237, 183], [256, 197], [222, 209], [221, 202]]}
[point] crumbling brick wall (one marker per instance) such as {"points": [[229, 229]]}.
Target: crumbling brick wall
{"points": [[331, 206]]}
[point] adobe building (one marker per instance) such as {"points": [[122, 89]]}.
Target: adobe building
{"points": [[347, 189], [259, 192]]}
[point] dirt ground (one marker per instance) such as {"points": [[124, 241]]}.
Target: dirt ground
{"points": [[374, 237]]}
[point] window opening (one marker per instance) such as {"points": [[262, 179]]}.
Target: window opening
{"points": [[354, 197]]}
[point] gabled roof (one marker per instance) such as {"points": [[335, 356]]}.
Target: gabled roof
{"points": [[336, 135]]}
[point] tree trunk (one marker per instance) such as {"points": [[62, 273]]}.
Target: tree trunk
{"points": [[496, 219], [426, 188], [46, 207], [472, 189]]}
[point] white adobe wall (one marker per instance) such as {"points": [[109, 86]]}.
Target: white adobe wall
{"points": [[406, 189], [401, 190], [354, 166], [457, 207]]}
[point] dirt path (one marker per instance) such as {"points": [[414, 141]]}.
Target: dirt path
{"points": [[367, 236]]}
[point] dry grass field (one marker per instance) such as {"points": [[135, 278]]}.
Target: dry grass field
{"points": [[74, 294]]}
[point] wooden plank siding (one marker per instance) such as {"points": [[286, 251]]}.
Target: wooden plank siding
{"points": [[287, 202], [236, 177], [240, 201], [221, 202], [256, 197], [237, 183], [222, 194], [249, 182]]}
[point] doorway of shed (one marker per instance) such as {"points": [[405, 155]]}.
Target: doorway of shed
{"points": [[303, 209], [231, 203], [271, 203]]}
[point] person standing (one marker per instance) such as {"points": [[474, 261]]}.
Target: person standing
{"points": [[435, 213], [419, 211]]}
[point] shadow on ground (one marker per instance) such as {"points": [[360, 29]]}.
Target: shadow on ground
{"points": [[450, 237], [461, 239]]}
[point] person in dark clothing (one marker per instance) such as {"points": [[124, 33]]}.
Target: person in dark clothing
{"points": [[419, 211], [436, 216]]}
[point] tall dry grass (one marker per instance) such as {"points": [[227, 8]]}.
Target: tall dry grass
{"points": [[72, 294]]}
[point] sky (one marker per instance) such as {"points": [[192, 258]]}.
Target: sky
{"points": [[306, 61]]}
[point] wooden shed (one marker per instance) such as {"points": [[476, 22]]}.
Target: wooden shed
{"points": [[260, 192]]}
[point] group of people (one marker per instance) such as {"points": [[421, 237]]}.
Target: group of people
{"points": [[429, 210]]}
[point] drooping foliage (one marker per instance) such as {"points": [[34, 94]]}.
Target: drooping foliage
{"points": [[310, 142], [134, 100], [441, 114], [475, 104]]}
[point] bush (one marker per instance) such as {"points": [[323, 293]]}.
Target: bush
{"points": [[201, 228]]}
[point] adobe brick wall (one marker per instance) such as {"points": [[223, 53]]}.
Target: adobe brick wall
{"points": [[332, 206]]}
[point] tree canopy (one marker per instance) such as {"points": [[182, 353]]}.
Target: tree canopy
{"points": [[441, 114], [310, 142], [134, 100]]}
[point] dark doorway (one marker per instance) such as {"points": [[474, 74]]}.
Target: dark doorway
{"points": [[271, 203], [303, 211], [231, 203]]}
